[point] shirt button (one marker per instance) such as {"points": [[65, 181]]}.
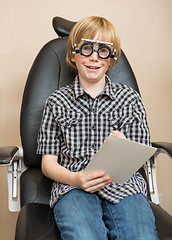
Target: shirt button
{"points": [[93, 146], [94, 127]]}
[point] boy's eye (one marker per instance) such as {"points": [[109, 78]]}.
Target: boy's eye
{"points": [[87, 48], [104, 50]]}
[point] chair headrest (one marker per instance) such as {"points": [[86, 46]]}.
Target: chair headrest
{"points": [[62, 26]]}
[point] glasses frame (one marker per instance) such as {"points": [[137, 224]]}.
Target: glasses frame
{"points": [[80, 50], [91, 42]]}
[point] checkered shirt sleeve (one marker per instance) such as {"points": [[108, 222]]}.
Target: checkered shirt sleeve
{"points": [[48, 137]]}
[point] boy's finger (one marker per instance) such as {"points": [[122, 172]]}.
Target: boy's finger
{"points": [[117, 133]]}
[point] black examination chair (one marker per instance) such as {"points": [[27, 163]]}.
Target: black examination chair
{"points": [[48, 73]]}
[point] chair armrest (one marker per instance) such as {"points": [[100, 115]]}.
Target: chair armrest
{"points": [[163, 147], [7, 155], [150, 168], [11, 157]]}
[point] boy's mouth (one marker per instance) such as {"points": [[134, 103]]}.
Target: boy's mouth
{"points": [[93, 67]]}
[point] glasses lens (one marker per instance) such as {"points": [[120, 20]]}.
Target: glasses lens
{"points": [[104, 52], [86, 49]]}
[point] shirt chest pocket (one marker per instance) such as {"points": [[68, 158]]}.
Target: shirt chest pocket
{"points": [[70, 126], [122, 118], [69, 119]]}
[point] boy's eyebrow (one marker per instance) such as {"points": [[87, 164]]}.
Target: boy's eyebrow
{"points": [[96, 41]]}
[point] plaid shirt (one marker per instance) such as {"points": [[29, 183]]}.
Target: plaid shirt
{"points": [[75, 125]]}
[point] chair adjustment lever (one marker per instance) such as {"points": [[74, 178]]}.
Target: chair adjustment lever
{"points": [[151, 175], [15, 179]]}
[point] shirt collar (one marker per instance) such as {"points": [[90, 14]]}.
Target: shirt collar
{"points": [[79, 91], [108, 88]]}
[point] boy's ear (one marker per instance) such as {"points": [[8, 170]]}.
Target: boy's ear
{"points": [[73, 59]]}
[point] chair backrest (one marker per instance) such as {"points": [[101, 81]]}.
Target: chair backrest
{"points": [[48, 73]]}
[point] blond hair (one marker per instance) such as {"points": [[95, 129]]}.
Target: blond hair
{"points": [[88, 28]]}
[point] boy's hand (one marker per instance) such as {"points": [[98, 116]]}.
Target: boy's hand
{"points": [[93, 181], [117, 133], [90, 182]]}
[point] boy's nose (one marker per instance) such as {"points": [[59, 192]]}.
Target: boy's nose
{"points": [[94, 56]]}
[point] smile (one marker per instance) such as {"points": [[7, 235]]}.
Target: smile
{"points": [[93, 67]]}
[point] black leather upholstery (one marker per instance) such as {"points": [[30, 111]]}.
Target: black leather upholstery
{"points": [[36, 222], [164, 147], [163, 222], [48, 73], [62, 26], [35, 187]]}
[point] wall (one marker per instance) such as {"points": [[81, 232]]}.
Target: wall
{"points": [[145, 30]]}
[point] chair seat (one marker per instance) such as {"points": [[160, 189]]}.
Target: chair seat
{"points": [[35, 222]]}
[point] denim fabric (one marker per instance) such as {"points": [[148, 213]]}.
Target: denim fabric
{"points": [[84, 216]]}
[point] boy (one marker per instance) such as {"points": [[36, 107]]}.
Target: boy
{"points": [[76, 121]]}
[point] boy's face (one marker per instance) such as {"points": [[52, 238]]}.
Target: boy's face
{"points": [[91, 68]]}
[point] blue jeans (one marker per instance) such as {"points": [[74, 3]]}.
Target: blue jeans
{"points": [[85, 216]]}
